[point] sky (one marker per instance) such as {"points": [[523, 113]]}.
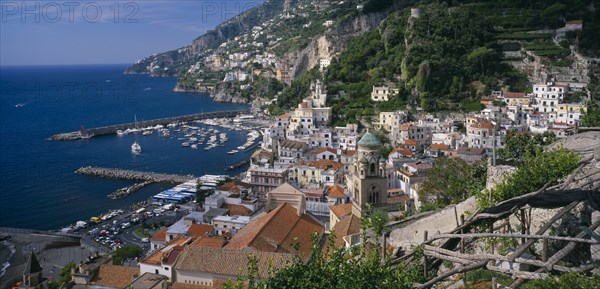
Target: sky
{"points": [[41, 32]]}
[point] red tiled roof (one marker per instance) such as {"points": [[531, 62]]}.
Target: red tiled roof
{"points": [[115, 276], [277, 231], [199, 230], [160, 236], [410, 142], [442, 147], [285, 115], [342, 210], [346, 227], [230, 262], [348, 153], [215, 242], [326, 164], [336, 191], [482, 124], [237, 210], [514, 95], [322, 150], [403, 151]]}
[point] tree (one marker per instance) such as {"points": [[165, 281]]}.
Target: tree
{"points": [[535, 170], [452, 180], [480, 57], [517, 145], [126, 252], [592, 116]]}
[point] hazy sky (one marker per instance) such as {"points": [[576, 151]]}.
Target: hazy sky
{"points": [[38, 32]]}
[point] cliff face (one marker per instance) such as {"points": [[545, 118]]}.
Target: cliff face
{"points": [[333, 41]]}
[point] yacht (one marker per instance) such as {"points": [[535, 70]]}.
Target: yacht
{"points": [[194, 146], [185, 144], [120, 132], [136, 148], [232, 152], [147, 132]]}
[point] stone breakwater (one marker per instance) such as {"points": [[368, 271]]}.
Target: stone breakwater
{"points": [[112, 129], [130, 175], [124, 192]]}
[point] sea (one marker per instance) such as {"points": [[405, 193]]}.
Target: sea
{"points": [[38, 186]]}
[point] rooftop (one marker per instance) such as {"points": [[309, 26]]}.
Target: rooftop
{"points": [[147, 280], [229, 262], [342, 210], [369, 140], [277, 231], [115, 276], [336, 191], [346, 227]]}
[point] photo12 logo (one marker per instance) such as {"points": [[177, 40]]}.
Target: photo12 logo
{"points": [[224, 10], [68, 11]]}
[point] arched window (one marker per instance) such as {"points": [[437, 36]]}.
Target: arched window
{"points": [[373, 194], [372, 170]]}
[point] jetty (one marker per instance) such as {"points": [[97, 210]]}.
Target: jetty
{"points": [[112, 129], [124, 192], [238, 165], [129, 175]]}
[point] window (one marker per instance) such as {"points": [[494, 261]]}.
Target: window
{"points": [[372, 169], [373, 194]]}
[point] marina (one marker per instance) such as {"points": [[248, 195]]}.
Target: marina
{"points": [[113, 129]]}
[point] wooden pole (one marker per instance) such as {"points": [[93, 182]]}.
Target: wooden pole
{"points": [[425, 269], [545, 250], [462, 231]]}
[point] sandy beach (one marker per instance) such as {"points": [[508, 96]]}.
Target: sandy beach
{"points": [[53, 252]]}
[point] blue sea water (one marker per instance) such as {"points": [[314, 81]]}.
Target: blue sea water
{"points": [[38, 186]]}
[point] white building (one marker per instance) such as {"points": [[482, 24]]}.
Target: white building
{"points": [[383, 93]]}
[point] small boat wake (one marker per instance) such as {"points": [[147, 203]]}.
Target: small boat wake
{"points": [[19, 105], [6, 264], [147, 88]]}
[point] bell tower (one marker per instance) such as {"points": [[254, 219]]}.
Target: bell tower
{"points": [[369, 183]]}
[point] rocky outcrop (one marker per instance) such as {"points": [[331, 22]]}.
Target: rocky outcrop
{"points": [[334, 41]]}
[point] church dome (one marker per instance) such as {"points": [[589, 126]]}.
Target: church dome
{"points": [[369, 140]]}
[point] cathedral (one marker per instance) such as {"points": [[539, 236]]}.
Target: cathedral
{"points": [[369, 184]]}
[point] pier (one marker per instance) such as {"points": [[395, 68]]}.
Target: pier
{"points": [[129, 175], [112, 129]]}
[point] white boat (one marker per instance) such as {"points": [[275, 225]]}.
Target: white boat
{"points": [[185, 144], [120, 133], [136, 148], [232, 152], [194, 146], [193, 139], [147, 132]]}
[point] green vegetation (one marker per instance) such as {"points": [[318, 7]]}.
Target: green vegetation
{"points": [[126, 252], [536, 169], [592, 116], [64, 277], [452, 180], [518, 145], [479, 276], [292, 95], [141, 233], [566, 281], [332, 267]]}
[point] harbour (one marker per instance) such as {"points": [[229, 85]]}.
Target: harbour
{"points": [[112, 129]]}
